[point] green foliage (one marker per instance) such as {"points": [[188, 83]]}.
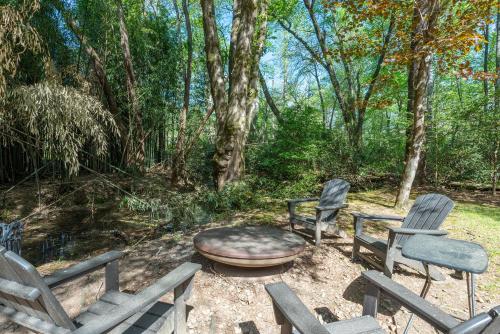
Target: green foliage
{"points": [[235, 196], [297, 147], [17, 36], [58, 120], [280, 9], [181, 211]]}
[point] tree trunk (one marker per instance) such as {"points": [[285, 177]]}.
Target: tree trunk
{"points": [[161, 141], [424, 21], [257, 48], [214, 61], [485, 65], [230, 146], [234, 112], [321, 100], [353, 113], [135, 153], [97, 64], [179, 174], [496, 130], [269, 98]]}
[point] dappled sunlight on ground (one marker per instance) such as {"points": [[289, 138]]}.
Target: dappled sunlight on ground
{"points": [[324, 278]]}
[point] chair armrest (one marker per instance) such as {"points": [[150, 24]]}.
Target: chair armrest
{"points": [[366, 216], [473, 325], [82, 268], [146, 297], [302, 200], [412, 231], [421, 307], [331, 207], [288, 306], [18, 290], [360, 217]]}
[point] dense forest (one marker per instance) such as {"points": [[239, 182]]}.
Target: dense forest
{"points": [[265, 93]]}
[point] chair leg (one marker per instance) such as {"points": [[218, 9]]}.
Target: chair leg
{"points": [[389, 263], [180, 296], [471, 294], [355, 250], [318, 234]]}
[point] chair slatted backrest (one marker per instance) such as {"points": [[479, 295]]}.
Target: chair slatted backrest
{"points": [[45, 307], [427, 213], [334, 193]]}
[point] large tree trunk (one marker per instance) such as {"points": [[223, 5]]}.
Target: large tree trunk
{"points": [[135, 153], [234, 112], [214, 61], [424, 21], [257, 48], [230, 146], [179, 174]]}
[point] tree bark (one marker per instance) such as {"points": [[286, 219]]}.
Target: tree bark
{"points": [[257, 48], [230, 146], [321, 100], [179, 174], [485, 65], [496, 127], [235, 111], [214, 61], [269, 98], [135, 153], [424, 20]]}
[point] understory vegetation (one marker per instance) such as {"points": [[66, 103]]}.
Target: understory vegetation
{"points": [[233, 105]]}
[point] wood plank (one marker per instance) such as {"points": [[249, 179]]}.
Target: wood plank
{"points": [[30, 322], [34, 308], [365, 325], [421, 307], [82, 268], [292, 308], [179, 311], [8, 273], [30, 277], [112, 276], [141, 300], [19, 290], [370, 301], [151, 318]]}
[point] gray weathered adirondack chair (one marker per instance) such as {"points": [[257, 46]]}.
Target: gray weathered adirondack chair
{"points": [[294, 317], [331, 201], [425, 217], [26, 299]]}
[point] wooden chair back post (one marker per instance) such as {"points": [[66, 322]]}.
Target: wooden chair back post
{"points": [[181, 295], [334, 193], [428, 212], [45, 307]]}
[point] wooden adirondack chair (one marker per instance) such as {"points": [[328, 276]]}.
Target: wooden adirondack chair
{"points": [[425, 217], [331, 201], [26, 299], [294, 317]]}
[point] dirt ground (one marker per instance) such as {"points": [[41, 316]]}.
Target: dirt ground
{"points": [[323, 277]]}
